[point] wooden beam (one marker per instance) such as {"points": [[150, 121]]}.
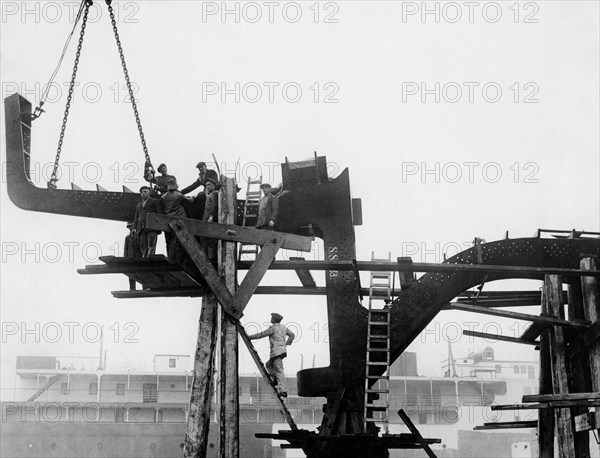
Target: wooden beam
{"points": [[590, 288], [545, 417], [386, 266], [162, 292], [413, 429], [229, 443], [517, 315], [485, 335], [508, 425], [579, 375], [229, 232], [547, 405], [198, 421], [256, 273], [208, 272], [595, 396], [304, 276], [559, 363]]}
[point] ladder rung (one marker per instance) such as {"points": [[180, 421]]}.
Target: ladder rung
{"points": [[376, 420], [373, 363], [377, 337], [376, 407], [379, 323], [381, 274], [378, 377], [378, 391], [369, 349], [380, 311]]}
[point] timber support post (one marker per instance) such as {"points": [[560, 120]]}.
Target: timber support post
{"points": [[198, 417], [590, 294], [229, 389], [559, 362]]}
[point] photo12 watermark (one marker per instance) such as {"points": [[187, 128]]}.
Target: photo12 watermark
{"points": [[469, 92], [269, 92], [470, 172], [271, 12], [65, 11], [470, 12], [69, 332]]}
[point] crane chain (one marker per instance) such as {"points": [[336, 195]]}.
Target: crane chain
{"points": [[128, 81], [53, 177]]}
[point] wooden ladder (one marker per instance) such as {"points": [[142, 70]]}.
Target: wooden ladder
{"points": [[250, 217], [378, 350]]}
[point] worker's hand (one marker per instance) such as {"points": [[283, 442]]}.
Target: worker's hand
{"points": [[271, 223], [210, 219]]}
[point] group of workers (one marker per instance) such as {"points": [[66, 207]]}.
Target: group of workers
{"points": [[164, 197]]}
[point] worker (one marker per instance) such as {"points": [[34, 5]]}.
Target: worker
{"points": [[211, 215], [173, 203], [160, 181], [279, 338], [268, 208], [199, 202], [131, 250], [146, 237]]}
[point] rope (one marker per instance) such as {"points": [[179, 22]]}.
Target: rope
{"points": [[53, 178]]}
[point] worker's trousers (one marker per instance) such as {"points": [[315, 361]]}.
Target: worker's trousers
{"points": [[275, 368]]}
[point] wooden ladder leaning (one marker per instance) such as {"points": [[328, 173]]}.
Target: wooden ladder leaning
{"points": [[377, 397], [250, 217]]}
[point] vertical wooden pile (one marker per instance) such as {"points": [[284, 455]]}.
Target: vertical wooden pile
{"points": [[229, 443], [569, 364]]}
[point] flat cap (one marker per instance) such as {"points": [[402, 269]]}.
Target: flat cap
{"points": [[277, 317]]}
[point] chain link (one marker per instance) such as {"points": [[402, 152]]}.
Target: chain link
{"points": [[128, 82], [53, 178]]}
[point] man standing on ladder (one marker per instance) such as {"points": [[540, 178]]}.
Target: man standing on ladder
{"points": [[277, 338]]}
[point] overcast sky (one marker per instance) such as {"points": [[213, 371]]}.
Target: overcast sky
{"points": [[463, 122]]}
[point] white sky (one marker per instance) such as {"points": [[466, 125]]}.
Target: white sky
{"points": [[367, 62]]}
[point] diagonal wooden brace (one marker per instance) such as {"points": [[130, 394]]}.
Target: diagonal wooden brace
{"points": [[235, 304], [208, 272], [257, 272]]}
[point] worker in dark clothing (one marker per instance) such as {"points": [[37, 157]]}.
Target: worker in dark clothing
{"points": [[268, 208], [196, 209], [279, 338], [131, 250], [146, 237], [161, 181], [173, 203], [211, 215]]}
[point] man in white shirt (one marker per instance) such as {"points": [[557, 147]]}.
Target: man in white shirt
{"points": [[279, 338]]}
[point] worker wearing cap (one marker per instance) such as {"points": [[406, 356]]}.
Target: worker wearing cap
{"points": [[199, 202], [146, 237], [210, 215], [268, 208], [173, 203], [161, 182], [279, 338]]}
